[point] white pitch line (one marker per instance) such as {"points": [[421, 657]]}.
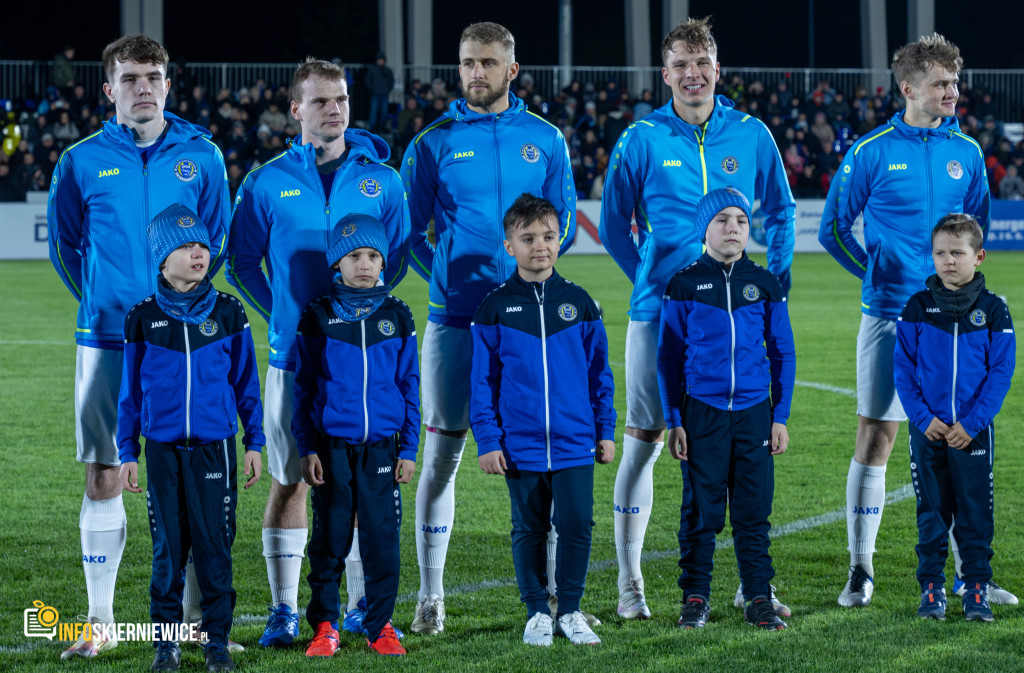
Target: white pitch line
{"points": [[827, 388], [902, 493], [16, 342]]}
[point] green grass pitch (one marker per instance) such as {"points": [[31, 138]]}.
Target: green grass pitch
{"points": [[43, 485]]}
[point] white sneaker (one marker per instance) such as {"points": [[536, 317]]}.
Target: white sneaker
{"points": [[553, 609], [858, 589], [781, 609], [101, 640], [632, 604], [574, 627], [540, 630], [996, 594], [429, 618]]}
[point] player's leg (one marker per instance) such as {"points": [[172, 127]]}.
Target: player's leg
{"points": [[634, 480], [879, 414], [445, 360], [102, 521], [972, 482], [284, 521], [930, 473], [531, 499], [573, 498], [702, 513], [355, 586]]}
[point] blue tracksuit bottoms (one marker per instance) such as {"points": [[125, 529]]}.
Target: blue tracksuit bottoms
{"points": [[729, 463], [357, 478], [571, 490], [191, 496], [952, 483]]}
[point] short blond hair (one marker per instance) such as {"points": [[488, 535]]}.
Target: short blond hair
{"points": [[487, 32], [694, 33], [313, 67], [913, 60]]}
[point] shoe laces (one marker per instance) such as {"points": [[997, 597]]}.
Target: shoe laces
{"points": [[761, 608], [858, 579], [577, 621], [280, 617], [217, 653], [388, 632], [634, 594], [430, 609]]}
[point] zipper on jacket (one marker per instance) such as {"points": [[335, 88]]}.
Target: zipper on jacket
{"points": [[499, 215], [928, 196], [366, 413], [732, 334], [188, 386], [700, 145], [544, 362], [952, 391]]}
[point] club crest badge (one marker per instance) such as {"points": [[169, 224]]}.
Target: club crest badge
{"points": [[955, 170], [751, 292], [530, 152], [978, 317], [730, 165], [185, 170], [370, 188], [386, 327], [567, 312], [208, 328]]}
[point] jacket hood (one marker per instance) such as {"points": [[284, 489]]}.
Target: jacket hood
{"points": [[178, 130], [460, 112], [361, 145], [946, 129], [722, 105]]}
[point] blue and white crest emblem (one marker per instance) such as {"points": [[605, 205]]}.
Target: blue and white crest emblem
{"points": [[370, 187], [386, 327], [978, 317], [751, 292], [185, 170], [567, 312], [530, 152], [208, 328]]}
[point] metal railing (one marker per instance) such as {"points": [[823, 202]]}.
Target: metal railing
{"points": [[31, 79]]}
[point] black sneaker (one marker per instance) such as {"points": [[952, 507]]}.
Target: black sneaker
{"points": [[218, 658], [167, 657], [695, 613], [761, 613]]}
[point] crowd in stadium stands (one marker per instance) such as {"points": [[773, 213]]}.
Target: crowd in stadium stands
{"points": [[254, 124]]}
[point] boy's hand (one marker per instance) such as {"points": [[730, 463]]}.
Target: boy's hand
{"points": [[312, 470], [493, 462], [605, 451], [676, 441], [958, 438], [404, 470], [130, 477], [253, 465], [780, 438], [936, 430]]}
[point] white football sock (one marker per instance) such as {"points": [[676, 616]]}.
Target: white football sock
{"points": [[865, 500], [435, 508], [355, 582], [634, 497], [552, 549], [284, 549], [104, 529], [191, 596]]}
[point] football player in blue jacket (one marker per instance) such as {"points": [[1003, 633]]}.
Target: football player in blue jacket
{"points": [[105, 190]]}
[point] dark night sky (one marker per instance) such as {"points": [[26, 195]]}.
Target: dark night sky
{"points": [[749, 32]]}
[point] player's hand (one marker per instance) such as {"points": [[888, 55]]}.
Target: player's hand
{"points": [[780, 438], [312, 470], [958, 438], [493, 462], [130, 477], [605, 451], [936, 430], [404, 470], [253, 466], [676, 441]]}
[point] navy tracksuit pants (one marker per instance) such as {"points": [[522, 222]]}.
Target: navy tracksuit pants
{"points": [[729, 463], [571, 490], [953, 483], [191, 496], [357, 478]]}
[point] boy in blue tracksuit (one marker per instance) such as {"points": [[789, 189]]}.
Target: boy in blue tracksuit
{"points": [[541, 408], [726, 369], [356, 425], [954, 360], [189, 373]]}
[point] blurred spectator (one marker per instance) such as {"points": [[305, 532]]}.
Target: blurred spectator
{"points": [[63, 75], [644, 106], [410, 110], [65, 131], [1012, 185], [380, 81], [272, 117], [822, 130]]}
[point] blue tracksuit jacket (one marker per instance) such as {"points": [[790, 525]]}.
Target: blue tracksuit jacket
{"points": [[187, 385], [541, 389], [904, 179], [358, 381], [661, 167], [281, 215], [725, 340], [464, 171], [954, 371], [101, 200]]}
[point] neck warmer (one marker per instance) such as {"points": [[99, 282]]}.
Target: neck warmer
{"points": [[352, 303], [956, 302], [192, 307]]}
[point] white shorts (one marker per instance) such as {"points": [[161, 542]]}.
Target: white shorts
{"points": [[876, 390], [97, 386], [643, 400], [445, 362], [278, 408]]}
